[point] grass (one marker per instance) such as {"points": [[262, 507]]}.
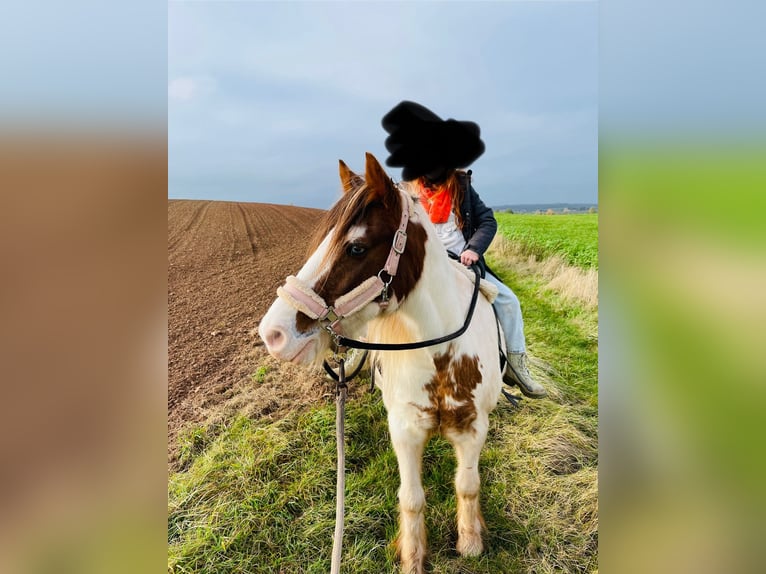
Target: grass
{"points": [[260, 374], [259, 497], [561, 249], [571, 283], [192, 441], [572, 237]]}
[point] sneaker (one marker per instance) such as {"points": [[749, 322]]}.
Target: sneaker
{"points": [[517, 373]]}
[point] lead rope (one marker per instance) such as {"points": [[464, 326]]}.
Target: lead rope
{"points": [[341, 390]]}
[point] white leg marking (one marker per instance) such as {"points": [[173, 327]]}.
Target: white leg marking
{"points": [[469, 519], [408, 441]]}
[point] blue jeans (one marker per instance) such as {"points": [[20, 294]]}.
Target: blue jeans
{"points": [[509, 312]]}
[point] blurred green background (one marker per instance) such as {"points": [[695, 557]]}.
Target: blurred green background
{"points": [[683, 364]]}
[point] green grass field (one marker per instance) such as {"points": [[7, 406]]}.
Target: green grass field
{"points": [[259, 497], [573, 237]]}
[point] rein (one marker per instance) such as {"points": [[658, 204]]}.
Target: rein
{"points": [[354, 344], [343, 342]]}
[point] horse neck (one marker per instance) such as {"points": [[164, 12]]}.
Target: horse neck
{"points": [[435, 309]]}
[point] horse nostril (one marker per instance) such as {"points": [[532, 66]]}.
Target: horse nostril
{"points": [[275, 338]]}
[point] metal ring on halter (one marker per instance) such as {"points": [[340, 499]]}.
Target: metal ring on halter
{"points": [[390, 277], [334, 335], [384, 291]]}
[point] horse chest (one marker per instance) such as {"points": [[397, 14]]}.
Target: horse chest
{"points": [[438, 393]]}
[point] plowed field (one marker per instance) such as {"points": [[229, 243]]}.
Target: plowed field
{"points": [[225, 261]]}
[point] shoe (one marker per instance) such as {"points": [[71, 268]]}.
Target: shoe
{"points": [[517, 373]]}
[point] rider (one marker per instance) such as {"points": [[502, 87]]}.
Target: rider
{"points": [[431, 150]]}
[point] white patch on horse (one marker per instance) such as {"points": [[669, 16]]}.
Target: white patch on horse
{"points": [[313, 268], [356, 232], [450, 402]]}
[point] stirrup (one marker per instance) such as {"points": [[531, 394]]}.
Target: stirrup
{"points": [[513, 399]]}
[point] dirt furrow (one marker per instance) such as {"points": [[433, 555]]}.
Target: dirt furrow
{"points": [[249, 229], [192, 212]]}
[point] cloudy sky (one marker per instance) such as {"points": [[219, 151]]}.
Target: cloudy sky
{"points": [[264, 98]]}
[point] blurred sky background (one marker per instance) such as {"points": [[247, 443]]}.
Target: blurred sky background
{"points": [[265, 97]]}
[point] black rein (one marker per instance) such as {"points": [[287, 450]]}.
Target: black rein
{"points": [[354, 344]]}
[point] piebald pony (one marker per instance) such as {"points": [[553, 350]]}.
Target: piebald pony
{"points": [[448, 388]]}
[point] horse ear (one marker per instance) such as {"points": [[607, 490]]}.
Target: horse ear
{"points": [[348, 178], [378, 182]]}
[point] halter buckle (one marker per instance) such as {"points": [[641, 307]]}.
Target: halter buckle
{"points": [[400, 241]]}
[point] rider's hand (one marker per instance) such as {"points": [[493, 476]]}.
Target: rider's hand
{"points": [[469, 257]]}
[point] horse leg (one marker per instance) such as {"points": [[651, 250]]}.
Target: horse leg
{"points": [[409, 441], [470, 522]]}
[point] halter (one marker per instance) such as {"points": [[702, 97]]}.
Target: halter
{"points": [[303, 298]]}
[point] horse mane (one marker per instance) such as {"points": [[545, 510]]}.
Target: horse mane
{"points": [[343, 215]]}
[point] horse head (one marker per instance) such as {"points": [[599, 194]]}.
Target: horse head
{"points": [[366, 257]]}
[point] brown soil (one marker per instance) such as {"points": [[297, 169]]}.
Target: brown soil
{"points": [[225, 262]]}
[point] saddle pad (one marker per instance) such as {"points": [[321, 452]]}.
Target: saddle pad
{"points": [[487, 289]]}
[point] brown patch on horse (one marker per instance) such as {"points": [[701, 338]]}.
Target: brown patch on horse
{"points": [[377, 205], [453, 382], [304, 323], [411, 262]]}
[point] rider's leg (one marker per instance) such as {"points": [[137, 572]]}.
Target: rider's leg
{"points": [[509, 313]]}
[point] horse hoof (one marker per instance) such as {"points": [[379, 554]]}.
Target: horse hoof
{"points": [[470, 545]]}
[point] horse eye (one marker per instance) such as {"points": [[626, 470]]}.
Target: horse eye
{"points": [[356, 250]]}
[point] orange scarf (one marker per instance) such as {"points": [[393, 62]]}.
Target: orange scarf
{"points": [[437, 202]]}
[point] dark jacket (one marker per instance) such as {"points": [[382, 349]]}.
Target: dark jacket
{"points": [[479, 223]]}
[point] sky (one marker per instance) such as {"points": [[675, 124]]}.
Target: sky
{"points": [[682, 70], [264, 98]]}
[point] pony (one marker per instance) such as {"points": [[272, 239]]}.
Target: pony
{"points": [[377, 261]]}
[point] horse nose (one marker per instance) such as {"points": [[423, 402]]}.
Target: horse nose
{"points": [[274, 337]]}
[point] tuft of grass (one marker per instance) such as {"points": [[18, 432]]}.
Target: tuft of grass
{"points": [[572, 283], [192, 442], [260, 374]]}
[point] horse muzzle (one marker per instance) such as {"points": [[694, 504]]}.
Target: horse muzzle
{"points": [[282, 339]]}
